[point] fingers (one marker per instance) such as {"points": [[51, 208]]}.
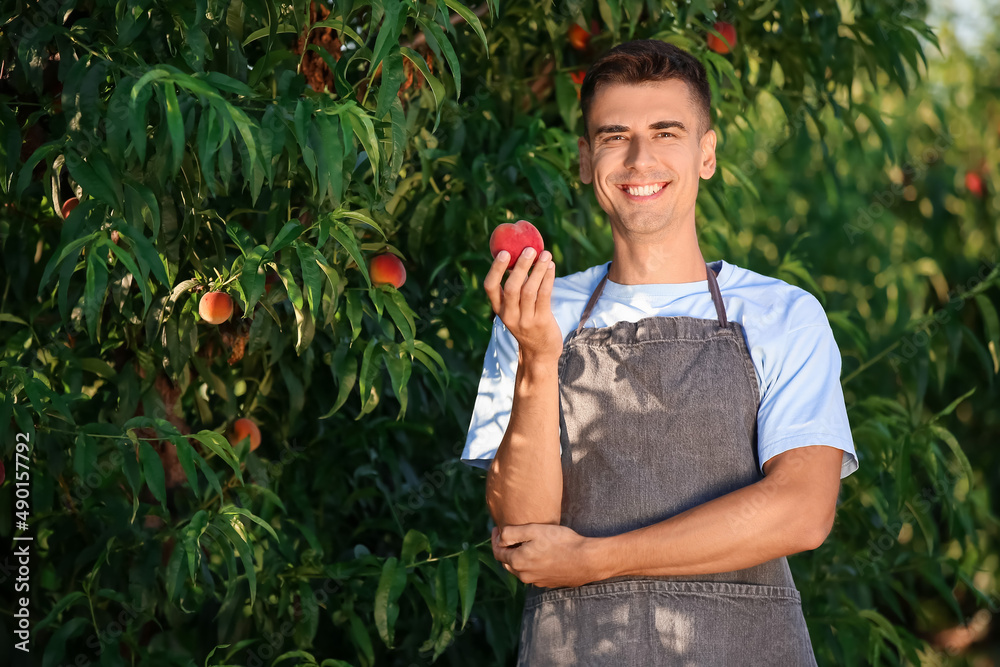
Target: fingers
{"points": [[512, 288], [492, 281], [509, 297], [529, 293], [544, 299]]}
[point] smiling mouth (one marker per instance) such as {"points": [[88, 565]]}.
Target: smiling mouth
{"points": [[642, 191]]}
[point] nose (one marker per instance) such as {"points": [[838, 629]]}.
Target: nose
{"points": [[640, 154]]}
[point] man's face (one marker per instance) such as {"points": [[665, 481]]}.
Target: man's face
{"points": [[646, 134]]}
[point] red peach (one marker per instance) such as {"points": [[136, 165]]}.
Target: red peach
{"points": [[728, 33], [974, 183], [514, 238], [215, 307], [387, 269], [580, 38], [68, 206], [242, 428]]}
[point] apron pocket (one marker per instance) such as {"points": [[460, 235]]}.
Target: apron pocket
{"points": [[724, 623], [658, 622]]}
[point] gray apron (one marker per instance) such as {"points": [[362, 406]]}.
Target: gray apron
{"points": [[659, 416]]}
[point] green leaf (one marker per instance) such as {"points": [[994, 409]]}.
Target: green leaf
{"points": [[221, 447], [388, 36], [364, 129], [362, 218], [354, 312], [150, 199], [263, 32], [345, 237], [43, 152], [361, 639], [130, 466], [242, 511], [152, 468], [468, 577], [175, 126], [393, 76], [413, 543], [243, 548], [250, 279], [94, 177], [390, 586], [55, 646], [344, 368], [312, 278], [470, 18], [96, 293], [240, 237], [186, 455], [369, 368], [289, 232], [288, 280], [399, 366], [418, 61], [764, 10], [991, 325], [956, 449], [878, 125], [951, 406], [738, 174], [144, 249], [402, 315], [71, 248], [305, 327], [63, 602], [438, 41]]}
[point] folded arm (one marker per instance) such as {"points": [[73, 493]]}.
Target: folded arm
{"points": [[791, 510]]}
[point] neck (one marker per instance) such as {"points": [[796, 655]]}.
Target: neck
{"points": [[672, 259]]}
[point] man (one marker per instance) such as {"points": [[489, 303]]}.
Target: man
{"points": [[659, 432]]}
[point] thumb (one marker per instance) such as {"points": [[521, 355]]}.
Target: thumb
{"points": [[508, 536]]}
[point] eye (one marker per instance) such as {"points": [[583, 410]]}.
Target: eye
{"points": [[669, 133]]}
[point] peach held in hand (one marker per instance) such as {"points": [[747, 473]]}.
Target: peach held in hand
{"points": [[514, 238], [387, 269]]}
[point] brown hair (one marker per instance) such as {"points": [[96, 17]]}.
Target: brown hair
{"points": [[643, 60]]}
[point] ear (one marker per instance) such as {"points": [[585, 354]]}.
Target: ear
{"points": [[586, 173], [708, 142]]}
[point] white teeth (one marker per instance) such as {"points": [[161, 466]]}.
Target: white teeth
{"points": [[644, 191]]}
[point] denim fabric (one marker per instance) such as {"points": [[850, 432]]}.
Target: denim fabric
{"points": [[659, 416]]}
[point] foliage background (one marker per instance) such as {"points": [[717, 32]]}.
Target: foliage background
{"points": [[209, 149]]}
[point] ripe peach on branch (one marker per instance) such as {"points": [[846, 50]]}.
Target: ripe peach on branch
{"points": [[728, 41], [387, 269], [215, 307], [579, 38], [243, 428]]}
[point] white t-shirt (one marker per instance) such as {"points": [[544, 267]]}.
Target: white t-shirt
{"points": [[794, 353]]}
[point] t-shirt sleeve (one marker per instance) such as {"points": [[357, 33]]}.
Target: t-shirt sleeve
{"points": [[496, 395], [803, 401]]}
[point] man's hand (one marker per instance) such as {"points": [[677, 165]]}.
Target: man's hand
{"points": [[524, 305], [544, 554]]}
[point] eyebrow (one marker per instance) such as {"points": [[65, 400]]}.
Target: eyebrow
{"points": [[658, 125]]}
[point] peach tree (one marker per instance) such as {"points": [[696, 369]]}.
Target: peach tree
{"points": [[155, 152]]}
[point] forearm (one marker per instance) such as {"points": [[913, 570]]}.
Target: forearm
{"points": [[751, 525], [524, 482]]}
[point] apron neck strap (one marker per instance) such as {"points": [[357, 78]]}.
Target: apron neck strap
{"points": [[713, 287]]}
